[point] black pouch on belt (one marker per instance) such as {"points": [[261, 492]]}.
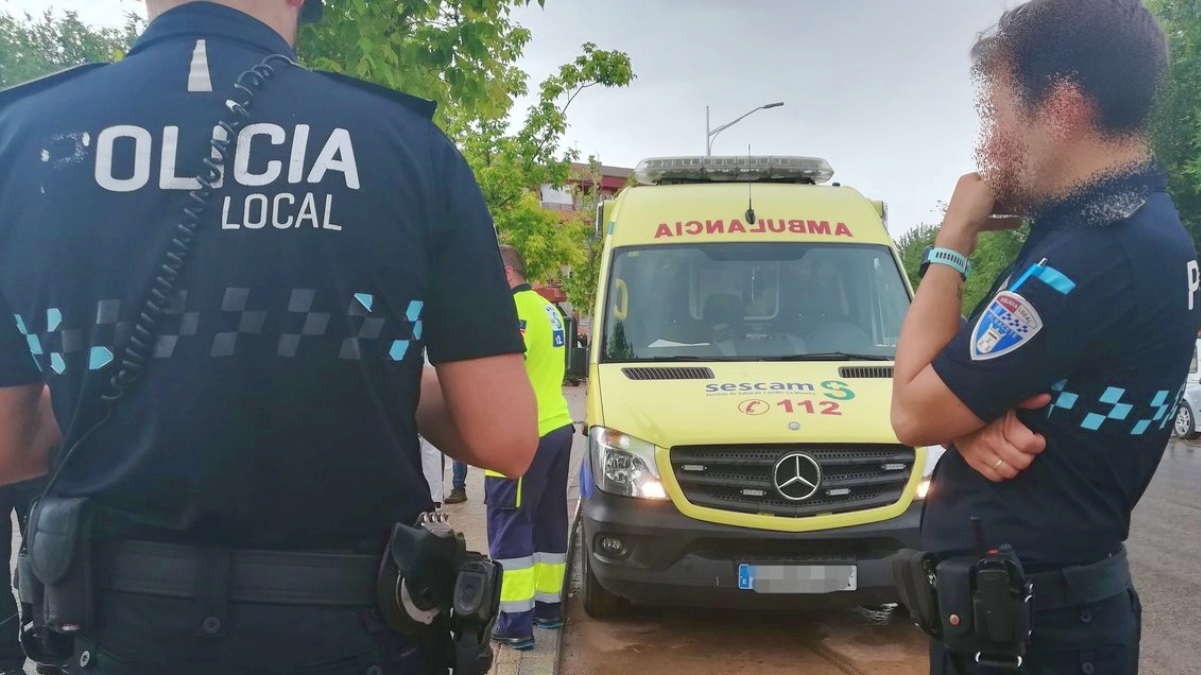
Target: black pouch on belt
{"points": [[986, 608], [956, 607], [913, 577], [59, 545]]}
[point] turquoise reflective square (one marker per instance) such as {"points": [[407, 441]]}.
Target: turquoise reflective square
{"points": [[1066, 400], [1093, 421], [398, 350], [1121, 411], [99, 358]]}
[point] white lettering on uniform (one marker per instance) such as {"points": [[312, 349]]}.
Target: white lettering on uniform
{"points": [[255, 222], [308, 210], [105, 147], [337, 155], [276, 207], [1194, 283], [225, 224], [242, 173], [219, 134], [259, 209], [300, 148], [282, 210], [167, 180]]}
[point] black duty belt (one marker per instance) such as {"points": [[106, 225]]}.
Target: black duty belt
{"points": [[267, 577], [1083, 584]]}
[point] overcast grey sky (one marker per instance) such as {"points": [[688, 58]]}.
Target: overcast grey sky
{"points": [[880, 88]]}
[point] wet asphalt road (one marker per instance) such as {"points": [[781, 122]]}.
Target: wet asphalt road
{"points": [[1165, 548]]}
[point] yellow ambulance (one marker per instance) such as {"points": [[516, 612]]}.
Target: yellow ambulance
{"points": [[740, 452]]}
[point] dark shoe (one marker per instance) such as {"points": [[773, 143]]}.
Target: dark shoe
{"points": [[457, 496], [521, 644], [549, 623]]}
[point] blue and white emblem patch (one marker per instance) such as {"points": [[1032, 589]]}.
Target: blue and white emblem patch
{"points": [[1008, 322]]}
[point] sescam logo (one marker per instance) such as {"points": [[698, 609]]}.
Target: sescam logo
{"points": [[835, 389], [264, 155]]}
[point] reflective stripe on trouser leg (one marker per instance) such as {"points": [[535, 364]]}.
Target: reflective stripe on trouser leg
{"points": [[550, 526], [549, 571], [517, 585], [511, 543]]}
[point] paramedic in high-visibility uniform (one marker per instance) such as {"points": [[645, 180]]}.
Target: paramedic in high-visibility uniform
{"points": [[527, 518]]}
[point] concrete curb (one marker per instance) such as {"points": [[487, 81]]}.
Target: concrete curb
{"points": [[573, 533]]}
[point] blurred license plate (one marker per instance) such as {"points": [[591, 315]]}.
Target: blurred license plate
{"points": [[797, 578]]}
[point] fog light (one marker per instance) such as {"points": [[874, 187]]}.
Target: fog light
{"points": [[923, 489], [612, 546], [653, 489]]}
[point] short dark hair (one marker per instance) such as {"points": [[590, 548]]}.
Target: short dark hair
{"points": [[1113, 50], [513, 258]]}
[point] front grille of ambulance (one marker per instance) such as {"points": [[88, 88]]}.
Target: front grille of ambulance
{"points": [[739, 478]]}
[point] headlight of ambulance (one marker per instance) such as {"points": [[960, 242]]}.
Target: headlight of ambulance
{"points": [[933, 454], [624, 465]]}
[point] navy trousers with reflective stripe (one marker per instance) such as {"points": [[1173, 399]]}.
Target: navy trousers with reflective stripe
{"points": [[1097, 639], [527, 535]]}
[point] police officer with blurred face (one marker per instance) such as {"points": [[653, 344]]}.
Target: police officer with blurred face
{"points": [[1057, 396], [226, 269]]}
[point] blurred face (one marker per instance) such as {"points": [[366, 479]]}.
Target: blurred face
{"points": [[1022, 148]]}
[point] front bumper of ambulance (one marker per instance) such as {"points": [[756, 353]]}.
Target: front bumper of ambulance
{"points": [[675, 534]]}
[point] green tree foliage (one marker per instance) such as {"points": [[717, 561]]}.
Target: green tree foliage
{"points": [[995, 251], [580, 285], [1178, 129], [911, 245], [462, 54], [32, 47], [512, 167]]}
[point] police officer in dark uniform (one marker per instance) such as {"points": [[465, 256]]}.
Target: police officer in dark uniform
{"points": [[1057, 396], [226, 269]]}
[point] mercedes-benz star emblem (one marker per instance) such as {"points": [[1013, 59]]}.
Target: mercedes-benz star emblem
{"points": [[797, 476]]}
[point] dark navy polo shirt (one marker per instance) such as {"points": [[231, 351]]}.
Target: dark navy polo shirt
{"points": [[1101, 310], [348, 236]]}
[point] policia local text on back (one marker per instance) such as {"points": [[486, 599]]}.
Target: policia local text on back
{"points": [[241, 488]]}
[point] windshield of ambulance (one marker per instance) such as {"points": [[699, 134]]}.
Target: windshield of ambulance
{"points": [[754, 302]]}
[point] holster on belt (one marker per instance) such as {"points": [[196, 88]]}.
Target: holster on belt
{"points": [[981, 608], [54, 577], [432, 588]]}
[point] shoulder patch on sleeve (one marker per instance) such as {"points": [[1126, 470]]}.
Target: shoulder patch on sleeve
{"points": [[1006, 324], [418, 105], [20, 91], [557, 329]]}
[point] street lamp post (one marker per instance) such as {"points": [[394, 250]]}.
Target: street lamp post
{"points": [[710, 135]]}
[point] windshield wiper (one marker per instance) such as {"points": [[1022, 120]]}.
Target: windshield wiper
{"points": [[831, 356]]}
